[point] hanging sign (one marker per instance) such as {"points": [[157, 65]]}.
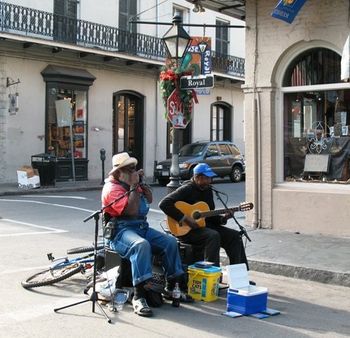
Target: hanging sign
{"points": [[64, 113], [287, 10], [198, 55]]}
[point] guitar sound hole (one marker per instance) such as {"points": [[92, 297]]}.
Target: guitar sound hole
{"points": [[196, 215]]}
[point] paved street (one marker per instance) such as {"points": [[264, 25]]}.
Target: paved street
{"points": [[33, 225]]}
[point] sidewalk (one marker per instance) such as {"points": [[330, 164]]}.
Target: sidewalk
{"points": [[313, 257]]}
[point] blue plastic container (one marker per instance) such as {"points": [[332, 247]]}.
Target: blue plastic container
{"points": [[246, 304]]}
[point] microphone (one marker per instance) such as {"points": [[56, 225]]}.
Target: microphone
{"points": [[141, 174], [217, 191]]}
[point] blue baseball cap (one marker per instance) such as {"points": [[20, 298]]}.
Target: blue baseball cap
{"points": [[203, 169]]}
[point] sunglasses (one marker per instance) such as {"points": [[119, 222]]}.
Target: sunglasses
{"points": [[130, 168]]}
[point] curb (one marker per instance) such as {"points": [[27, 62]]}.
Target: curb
{"points": [[315, 275]]}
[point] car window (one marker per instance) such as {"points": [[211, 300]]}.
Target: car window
{"points": [[192, 149], [234, 150], [225, 150], [212, 150]]}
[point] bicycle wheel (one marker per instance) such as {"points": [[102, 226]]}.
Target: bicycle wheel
{"points": [[52, 275], [83, 249]]}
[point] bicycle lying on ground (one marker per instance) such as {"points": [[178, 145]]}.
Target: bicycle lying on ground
{"points": [[64, 267]]}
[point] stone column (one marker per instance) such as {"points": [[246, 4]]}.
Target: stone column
{"points": [[3, 120]]}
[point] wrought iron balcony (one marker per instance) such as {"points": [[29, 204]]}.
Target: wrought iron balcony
{"points": [[44, 25]]}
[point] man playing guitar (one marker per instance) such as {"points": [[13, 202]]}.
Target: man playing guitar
{"points": [[213, 235]]}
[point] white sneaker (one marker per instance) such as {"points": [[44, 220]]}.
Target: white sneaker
{"points": [[141, 307]]}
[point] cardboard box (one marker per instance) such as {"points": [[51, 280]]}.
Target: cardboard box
{"points": [[28, 178], [241, 297]]}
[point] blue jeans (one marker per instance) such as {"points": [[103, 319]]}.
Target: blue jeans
{"points": [[138, 243]]}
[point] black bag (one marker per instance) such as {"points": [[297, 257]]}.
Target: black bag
{"points": [[109, 225], [154, 299], [109, 229]]}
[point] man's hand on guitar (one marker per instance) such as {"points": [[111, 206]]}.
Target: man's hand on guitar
{"points": [[225, 218], [190, 222]]}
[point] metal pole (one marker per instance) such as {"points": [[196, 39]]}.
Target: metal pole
{"points": [[103, 157], [72, 148], [174, 169]]}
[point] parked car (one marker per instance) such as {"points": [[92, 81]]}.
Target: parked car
{"points": [[223, 157]]}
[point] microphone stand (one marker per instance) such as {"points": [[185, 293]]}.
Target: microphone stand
{"points": [[242, 231], [94, 298]]}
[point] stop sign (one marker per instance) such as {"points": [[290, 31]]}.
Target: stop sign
{"points": [[175, 111]]}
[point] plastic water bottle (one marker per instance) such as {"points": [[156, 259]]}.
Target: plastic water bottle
{"points": [[119, 299], [176, 296]]}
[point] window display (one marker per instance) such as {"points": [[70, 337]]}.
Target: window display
{"points": [[317, 123], [59, 137]]}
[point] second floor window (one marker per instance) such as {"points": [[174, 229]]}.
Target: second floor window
{"points": [[65, 20], [221, 37], [127, 12]]}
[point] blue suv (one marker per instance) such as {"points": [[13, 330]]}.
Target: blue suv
{"points": [[223, 157]]}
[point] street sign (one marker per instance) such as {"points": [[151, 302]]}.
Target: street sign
{"points": [[193, 82]]}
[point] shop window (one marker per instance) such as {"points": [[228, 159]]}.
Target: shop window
{"points": [[316, 122], [62, 140], [66, 119], [315, 66]]}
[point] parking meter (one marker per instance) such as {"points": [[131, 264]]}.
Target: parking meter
{"points": [[102, 154], [103, 157]]}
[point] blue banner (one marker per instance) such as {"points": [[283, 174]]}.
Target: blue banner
{"points": [[287, 10]]}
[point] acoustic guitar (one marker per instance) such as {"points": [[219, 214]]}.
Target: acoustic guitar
{"points": [[199, 211]]}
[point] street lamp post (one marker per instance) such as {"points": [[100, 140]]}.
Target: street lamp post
{"points": [[176, 41]]}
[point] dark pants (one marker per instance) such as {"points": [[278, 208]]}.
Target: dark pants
{"points": [[212, 238]]}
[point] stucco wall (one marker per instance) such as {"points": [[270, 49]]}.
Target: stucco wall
{"points": [[321, 209], [275, 44], [24, 132], [26, 128]]}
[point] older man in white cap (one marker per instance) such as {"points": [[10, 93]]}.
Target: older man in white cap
{"points": [[133, 238]]}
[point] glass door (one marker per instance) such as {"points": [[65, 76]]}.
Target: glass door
{"points": [[128, 125]]}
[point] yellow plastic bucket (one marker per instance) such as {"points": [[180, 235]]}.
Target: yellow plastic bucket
{"points": [[203, 284]]}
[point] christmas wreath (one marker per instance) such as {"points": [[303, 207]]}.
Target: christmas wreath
{"points": [[169, 82]]}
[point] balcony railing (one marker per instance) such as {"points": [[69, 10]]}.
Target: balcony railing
{"points": [[35, 23]]}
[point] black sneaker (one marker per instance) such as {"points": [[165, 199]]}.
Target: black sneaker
{"points": [[154, 286]]}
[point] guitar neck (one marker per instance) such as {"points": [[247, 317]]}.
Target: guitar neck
{"points": [[214, 212]]}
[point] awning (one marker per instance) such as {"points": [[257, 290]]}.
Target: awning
{"points": [[53, 73]]}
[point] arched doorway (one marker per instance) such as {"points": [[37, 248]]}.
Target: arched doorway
{"points": [[128, 116], [220, 122]]}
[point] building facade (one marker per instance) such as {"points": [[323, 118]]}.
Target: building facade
{"points": [[297, 113], [108, 69]]}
